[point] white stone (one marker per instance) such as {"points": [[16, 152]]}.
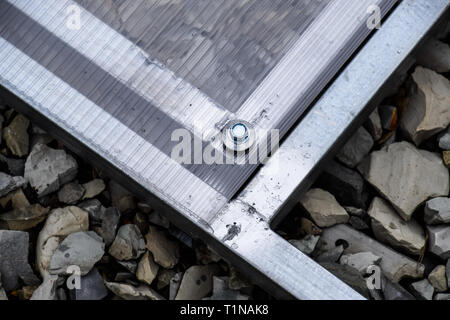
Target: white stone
{"points": [[428, 110], [307, 244], [82, 249], [437, 211], [197, 282], [60, 223], [388, 227], [47, 169], [406, 176], [360, 261], [323, 208], [129, 292]]}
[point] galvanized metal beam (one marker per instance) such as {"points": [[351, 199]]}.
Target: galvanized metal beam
{"points": [[239, 229]]}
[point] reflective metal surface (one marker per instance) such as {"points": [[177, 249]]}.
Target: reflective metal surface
{"points": [[108, 95]]}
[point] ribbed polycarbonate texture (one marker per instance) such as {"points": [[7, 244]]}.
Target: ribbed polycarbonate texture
{"points": [[136, 70]]}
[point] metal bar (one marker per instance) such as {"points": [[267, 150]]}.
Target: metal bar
{"points": [[347, 98], [240, 229]]}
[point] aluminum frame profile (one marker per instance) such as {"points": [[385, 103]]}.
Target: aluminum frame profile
{"points": [[241, 231]]}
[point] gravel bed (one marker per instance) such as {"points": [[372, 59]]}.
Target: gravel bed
{"points": [[68, 232], [379, 215]]}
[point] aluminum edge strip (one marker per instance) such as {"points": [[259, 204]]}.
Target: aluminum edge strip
{"points": [[327, 121], [244, 224]]}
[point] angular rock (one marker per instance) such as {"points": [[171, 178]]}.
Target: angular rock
{"points": [[406, 176], [164, 277], [128, 244], [60, 223], [427, 113], [323, 208], [83, 249], [104, 221], [107, 228], [129, 292], [121, 198], [388, 227], [439, 240], [92, 287], [221, 291], [394, 291], [356, 148], [16, 199], [70, 193], [345, 184], [25, 218], [373, 125], [360, 213], [47, 290], [47, 169], [16, 167], [435, 55], [360, 261], [307, 244], [14, 260], [438, 279], [422, 290], [437, 211], [165, 252], [197, 282], [93, 188], [147, 269], [8, 183], [393, 264], [16, 136]]}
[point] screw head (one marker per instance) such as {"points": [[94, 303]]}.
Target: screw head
{"points": [[238, 135]]}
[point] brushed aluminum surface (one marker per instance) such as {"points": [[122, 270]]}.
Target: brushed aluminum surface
{"points": [[91, 103], [126, 76]]}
